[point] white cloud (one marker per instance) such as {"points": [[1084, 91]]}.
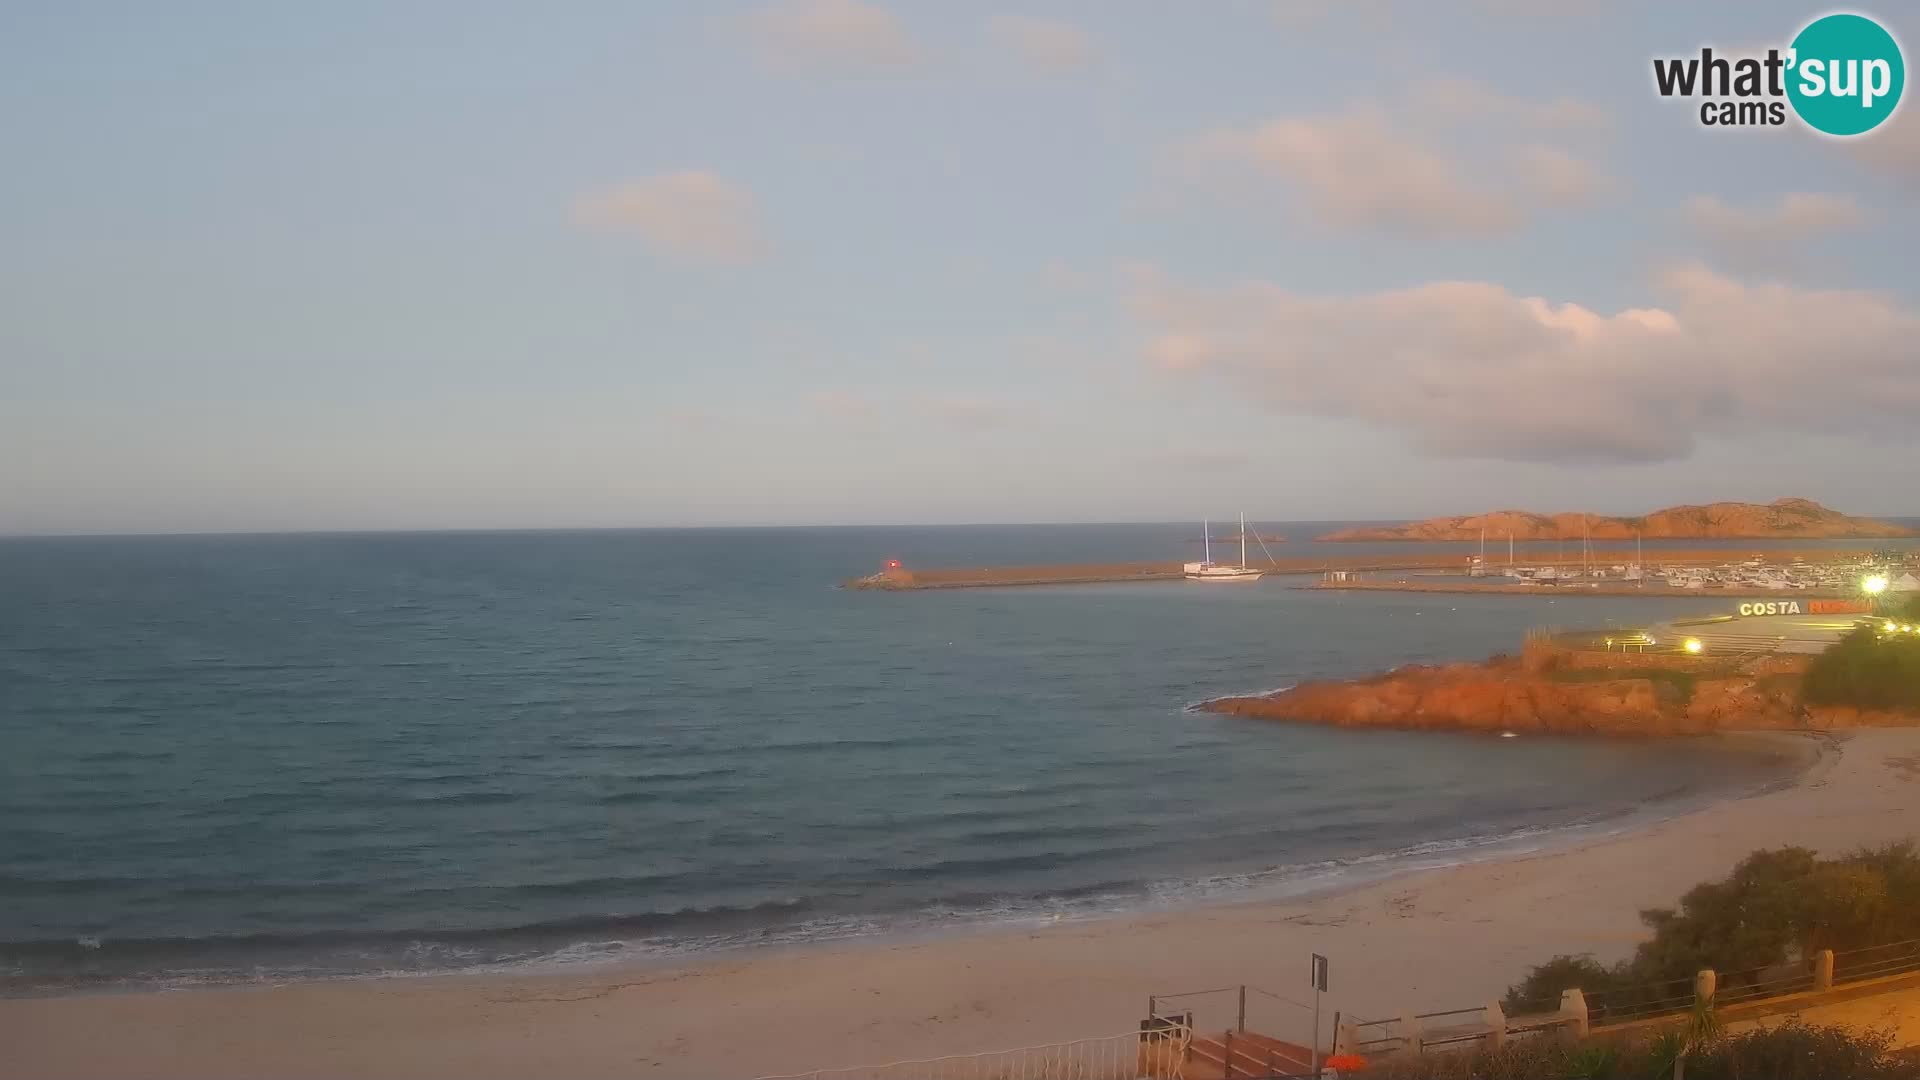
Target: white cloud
{"points": [[1458, 99], [1548, 8], [1063, 276], [1200, 458], [1769, 235], [1554, 177], [1444, 157], [829, 33], [1893, 149], [873, 409], [693, 214], [1355, 169], [843, 404], [965, 411], [1045, 43], [1294, 14], [1470, 369]]}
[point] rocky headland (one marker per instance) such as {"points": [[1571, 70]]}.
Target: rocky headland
{"points": [[1782, 519], [1556, 691]]}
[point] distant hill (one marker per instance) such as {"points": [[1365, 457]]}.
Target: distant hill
{"points": [[1782, 519]]}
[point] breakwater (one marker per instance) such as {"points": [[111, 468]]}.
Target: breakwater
{"points": [[903, 578]]}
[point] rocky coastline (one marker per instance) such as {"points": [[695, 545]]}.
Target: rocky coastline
{"points": [[1565, 692]]}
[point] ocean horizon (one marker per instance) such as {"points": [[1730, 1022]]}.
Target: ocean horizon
{"points": [[262, 757]]}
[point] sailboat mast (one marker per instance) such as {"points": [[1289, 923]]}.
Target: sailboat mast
{"points": [[1243, 539], [1206, 538]]}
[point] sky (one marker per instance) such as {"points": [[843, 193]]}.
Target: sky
{"points": [[408, 265]]}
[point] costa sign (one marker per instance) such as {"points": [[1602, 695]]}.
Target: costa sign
{"points": [[1810, 607]]}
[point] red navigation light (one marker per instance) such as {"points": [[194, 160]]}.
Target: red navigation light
{"points": [[893, 564]]}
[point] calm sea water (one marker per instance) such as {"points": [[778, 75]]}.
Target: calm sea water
{"points": [[307, 756]]}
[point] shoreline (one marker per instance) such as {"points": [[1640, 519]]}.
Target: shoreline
{"points": [[1429, 938], [1786, 755]]}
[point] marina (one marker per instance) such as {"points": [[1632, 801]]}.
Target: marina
{"points": [[1810, 573]]}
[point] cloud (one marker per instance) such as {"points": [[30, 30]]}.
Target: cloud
{"points": [[1547, 8], [1458, 99], [1201, 458], [1470, 369], [965, 411], [1048, 44], [693, 214], [1062, 276], [1296, 14], [829, 33], [1355, 170], [1892, 150], [843, 404], [1448, 157], [1763, 235], [1554, 177]]}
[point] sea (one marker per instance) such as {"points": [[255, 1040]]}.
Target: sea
{"points": [[288, 757]]}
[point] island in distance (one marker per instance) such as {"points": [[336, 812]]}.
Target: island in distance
{"points": [[1782, 519]]}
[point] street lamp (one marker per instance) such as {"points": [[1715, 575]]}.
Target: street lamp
{"points": [[1693, 645], [1873, 584]]}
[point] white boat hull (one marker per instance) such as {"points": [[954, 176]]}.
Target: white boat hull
{"points": [[1202, 572]]}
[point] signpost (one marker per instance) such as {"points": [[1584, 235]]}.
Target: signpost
{"points": [[1319, 987]]}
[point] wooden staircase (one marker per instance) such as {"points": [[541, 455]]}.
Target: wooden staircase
{"points": [[1244, 1055]]}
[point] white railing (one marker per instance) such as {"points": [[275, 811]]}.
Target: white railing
{"points": [[1112, 1057]]}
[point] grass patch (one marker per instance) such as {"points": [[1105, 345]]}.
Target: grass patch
{"points": [[1668, 684]]}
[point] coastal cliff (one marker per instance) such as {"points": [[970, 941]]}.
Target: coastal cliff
{"points": [[1782, 519], [1628, 697]]}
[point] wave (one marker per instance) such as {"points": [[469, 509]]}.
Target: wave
{"points": [[101, 962]]}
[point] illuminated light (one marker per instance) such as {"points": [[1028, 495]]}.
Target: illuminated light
{"points": [[1693, 645], [1874, 585]]}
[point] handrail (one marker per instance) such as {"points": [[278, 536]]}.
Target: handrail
{"points": [[1280, 998], [1879, 969], [1450, 1012], [1198, 993], [1911, 944]]}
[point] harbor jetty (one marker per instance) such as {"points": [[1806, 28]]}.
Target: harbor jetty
{"points": [[894, 576], [1599, 587]]}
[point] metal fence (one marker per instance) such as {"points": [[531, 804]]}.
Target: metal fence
{"points": [[1245, 1008], [1642, 1002], [1740, 987], [1111, 1057], [1876, 961]]}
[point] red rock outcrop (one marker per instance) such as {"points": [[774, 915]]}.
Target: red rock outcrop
{"points": [[1505, 694], [1782, 519]]}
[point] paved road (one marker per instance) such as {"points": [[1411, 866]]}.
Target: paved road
{"points": [[1897, 1011]]}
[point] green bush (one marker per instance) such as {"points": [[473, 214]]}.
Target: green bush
{"points": [[1868, 670], [1777, 907], [1791, 1051]]}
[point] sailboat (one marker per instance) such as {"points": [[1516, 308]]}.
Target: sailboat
{"points": [[1208, 570]]}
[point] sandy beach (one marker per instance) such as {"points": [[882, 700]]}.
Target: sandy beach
{"points": [[1435, 939]]}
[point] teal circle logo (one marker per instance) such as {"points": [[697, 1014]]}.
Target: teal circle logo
{"points": [[1846, 74]]}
